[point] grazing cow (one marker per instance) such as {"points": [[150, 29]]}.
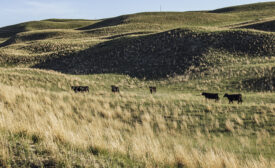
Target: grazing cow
{"points": [[153, 89], [234, 97], [115, 88], [211, 96], [80, 88]]}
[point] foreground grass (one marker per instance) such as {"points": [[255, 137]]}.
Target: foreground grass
{"points": [[44, 123]]}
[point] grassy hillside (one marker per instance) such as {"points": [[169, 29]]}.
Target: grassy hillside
{"points": [[42, 25], [162, 54], [266, 6], [43, 123]]}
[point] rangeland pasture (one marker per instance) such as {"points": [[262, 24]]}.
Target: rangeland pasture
{"points": [[44, 123]]}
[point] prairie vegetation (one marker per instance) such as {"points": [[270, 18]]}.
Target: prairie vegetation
{"points": [[39, 112], [44, 123]]}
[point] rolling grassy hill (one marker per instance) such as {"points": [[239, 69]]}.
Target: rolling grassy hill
{"points": [[167, 53], [231, 50], [42, 25], [259, 7]]}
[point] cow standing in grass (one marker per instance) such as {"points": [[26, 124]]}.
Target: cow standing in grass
{"points": [[114, 88], [211, 96], [80, 88], [153, 89], [234, 97]]}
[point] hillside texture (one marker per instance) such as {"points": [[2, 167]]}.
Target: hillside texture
{"points": [[162, 54]]}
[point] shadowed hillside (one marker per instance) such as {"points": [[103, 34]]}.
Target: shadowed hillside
{"points": [[159, 55], [106, 22], [265, 26]]}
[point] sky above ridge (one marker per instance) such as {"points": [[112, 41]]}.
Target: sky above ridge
{"points": [[17, 11]]}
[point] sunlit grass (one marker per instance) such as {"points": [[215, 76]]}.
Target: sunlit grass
{"points": [[158, 129]]}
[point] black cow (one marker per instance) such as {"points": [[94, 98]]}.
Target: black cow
{"points": [[80, 88], [234, 97], [211, 96], [114, 88], [153, 89]]}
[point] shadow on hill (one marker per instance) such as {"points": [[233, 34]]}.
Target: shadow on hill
{"points": [[12, 30], [262, 84], [105, 23], [158, 55], [9, 31], [223, 10], [127, 34], [265, 26], [65, 20], [30, 37]]}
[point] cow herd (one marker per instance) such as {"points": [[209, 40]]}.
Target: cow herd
{"points": [[230, 97], [153, 89], [114, 89]]}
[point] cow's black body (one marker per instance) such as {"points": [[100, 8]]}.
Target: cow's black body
{"points": [[211, 96], [234, 97], [153, 89], [80, 88], [114, 88]]}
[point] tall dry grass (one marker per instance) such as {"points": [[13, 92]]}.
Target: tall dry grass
{"points": [[148, 129]]}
